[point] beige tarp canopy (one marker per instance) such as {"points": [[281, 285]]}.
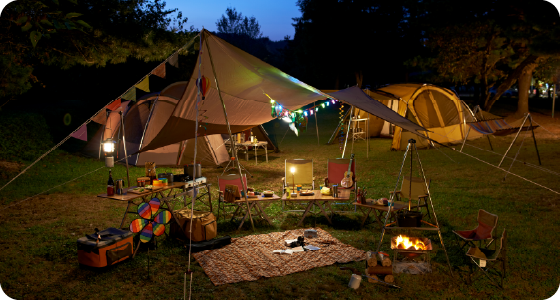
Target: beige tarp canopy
{"points": [[247, 85]]}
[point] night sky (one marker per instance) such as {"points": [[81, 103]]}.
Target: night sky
{"points": [[275, 17]]}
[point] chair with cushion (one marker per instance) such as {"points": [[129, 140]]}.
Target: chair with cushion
{"points": [[335, 173], [228, 196], [488, 260], [414, 190], [483, 232], [303, 175]]}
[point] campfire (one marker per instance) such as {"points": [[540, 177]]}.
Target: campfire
{"points": [[410, 243]]}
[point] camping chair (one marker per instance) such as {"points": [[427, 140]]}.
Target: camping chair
{"points": [[335, 174], [415, 191], [223, 199], [487, 260], [303, 176], [486, 224]]}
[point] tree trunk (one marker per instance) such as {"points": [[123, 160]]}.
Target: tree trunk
{"points": [[524, 85], [510, 80], [359, 78]]}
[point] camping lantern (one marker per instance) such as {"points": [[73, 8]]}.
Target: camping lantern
{"points": [[109, 149]]}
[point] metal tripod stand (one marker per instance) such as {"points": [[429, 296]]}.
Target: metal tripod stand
{"points": [[411, 147], [232, 160]]}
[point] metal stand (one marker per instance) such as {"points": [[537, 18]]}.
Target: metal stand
{"points": [[412, 146], [476, 109], [527, 117], [124, 146], [233, 158]]}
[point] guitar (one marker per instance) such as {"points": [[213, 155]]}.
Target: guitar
{"points": [[347, 180]]}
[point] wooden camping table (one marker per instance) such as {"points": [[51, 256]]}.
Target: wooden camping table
{"points": [[253, 204], [379, 209], [322, 201], [138, 198], [246, 145]]}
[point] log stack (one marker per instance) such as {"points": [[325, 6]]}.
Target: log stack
{"points": [[379, 266]]}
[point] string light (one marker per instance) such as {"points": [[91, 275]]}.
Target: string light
{"points": [[305, 113]]}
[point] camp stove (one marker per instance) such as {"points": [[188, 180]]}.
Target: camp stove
{"points": [[411, 254]]}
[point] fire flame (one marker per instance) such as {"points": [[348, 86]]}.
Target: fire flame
{"points": [[404, 242]]}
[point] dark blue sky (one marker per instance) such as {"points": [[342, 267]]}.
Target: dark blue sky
{"points": [[274, 16]]}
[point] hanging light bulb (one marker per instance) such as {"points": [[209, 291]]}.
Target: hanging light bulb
{"points": [[332, 101], [305, 113], [328, 103], [316, 109], [323, 105], [311, 111]]}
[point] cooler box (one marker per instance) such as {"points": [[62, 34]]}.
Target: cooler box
{"points": [[114, 245]]}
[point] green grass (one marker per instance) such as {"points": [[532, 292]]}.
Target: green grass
{"points": [[38, 235]]}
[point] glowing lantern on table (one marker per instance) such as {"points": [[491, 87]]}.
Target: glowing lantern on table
{"points": [[109, 149], [293, 170]]}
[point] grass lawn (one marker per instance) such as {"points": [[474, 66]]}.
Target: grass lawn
{"points": [[38, 236]]}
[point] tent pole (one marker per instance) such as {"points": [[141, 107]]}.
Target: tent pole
{"points": [[469, 130], [534, 140], [316, 126], [553, 100], [367, 136], [515, 139], [230, 135], [348, 130], [146, 127], [124, 146]]}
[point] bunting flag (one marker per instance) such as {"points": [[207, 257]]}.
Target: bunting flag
{"points": [[114, 105], [130, 95], [81, 134], [160, 71], [144, 84], [100, 118], [174, 60]]}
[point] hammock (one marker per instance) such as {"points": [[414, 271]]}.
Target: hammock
{"points": [[492, 124]]}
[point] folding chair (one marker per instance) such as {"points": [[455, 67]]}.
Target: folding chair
{"points": [[414, 189], [303, 175], [230, 179], [335, 174], [483, 232], [487, 260]]}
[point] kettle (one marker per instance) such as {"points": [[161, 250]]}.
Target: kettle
{"points": [[119, 187]]}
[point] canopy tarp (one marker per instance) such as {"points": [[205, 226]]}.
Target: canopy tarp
{"points": [[247, 86]]}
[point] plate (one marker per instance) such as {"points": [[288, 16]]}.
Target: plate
{"points": [[307, 193]]}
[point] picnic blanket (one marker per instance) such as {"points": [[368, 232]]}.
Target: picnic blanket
{"points": [[250, 258]]}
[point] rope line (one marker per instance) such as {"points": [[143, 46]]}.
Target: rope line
{"points": [[543, 127], [518, 150], [544, 187], [89, 120]]}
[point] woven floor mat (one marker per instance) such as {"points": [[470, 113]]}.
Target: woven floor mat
{"points": [[250, 258]]}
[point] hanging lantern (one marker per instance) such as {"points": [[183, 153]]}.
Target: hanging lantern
{"points": [[323, 105], [311, 112], [203, 85], [109, 149]]}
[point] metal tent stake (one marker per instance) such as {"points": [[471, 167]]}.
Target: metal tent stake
{"points": [[412, 146]]}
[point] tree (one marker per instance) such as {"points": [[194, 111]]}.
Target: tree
{"points": [[235, 24], [490, 43], [65, 33]]}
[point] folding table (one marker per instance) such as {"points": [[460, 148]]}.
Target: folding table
{"points": [[378, 208], [253, 204], [317, 199]]}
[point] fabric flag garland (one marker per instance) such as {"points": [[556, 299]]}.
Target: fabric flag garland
{"points": [[101, 117], [144, 84], [81, 133], [160, 71], [116, 104], [174, 60], [130, 95]]}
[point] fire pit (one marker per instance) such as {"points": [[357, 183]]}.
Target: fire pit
{"points": [[411, 248]]}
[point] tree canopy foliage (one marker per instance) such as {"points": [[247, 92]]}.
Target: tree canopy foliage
{"points": [[65, 33], [233, 23]]}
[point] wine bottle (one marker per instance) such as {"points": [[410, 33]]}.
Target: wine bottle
{"points": [[110, 185]]}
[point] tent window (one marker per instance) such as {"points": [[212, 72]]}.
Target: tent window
{"points": [[425, 110], [447, 109]]}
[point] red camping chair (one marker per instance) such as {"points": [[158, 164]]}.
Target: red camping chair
{"points": [[487, 222], [230, 179], [335, 174]]}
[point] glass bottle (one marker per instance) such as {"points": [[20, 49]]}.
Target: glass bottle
{"points": [[110, 185]]}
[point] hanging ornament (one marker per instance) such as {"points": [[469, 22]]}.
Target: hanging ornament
{"points": [[203, 85]]}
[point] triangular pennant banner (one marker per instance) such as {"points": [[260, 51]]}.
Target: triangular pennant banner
{"points": [[160, 71], [130, 95], [101, 117], [144, 84], [81, 134], [114, 105], [174, 60]]}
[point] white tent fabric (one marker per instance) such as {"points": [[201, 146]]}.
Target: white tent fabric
{"points": [[247, 85]]}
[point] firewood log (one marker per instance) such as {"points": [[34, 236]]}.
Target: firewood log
{"points": [[378, 270], [389, 279], [371, 280], [371, 259], [384, 260]]}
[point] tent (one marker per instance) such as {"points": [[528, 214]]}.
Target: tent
{"points": [[145, 120], [435, 108], [241, 87]]}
